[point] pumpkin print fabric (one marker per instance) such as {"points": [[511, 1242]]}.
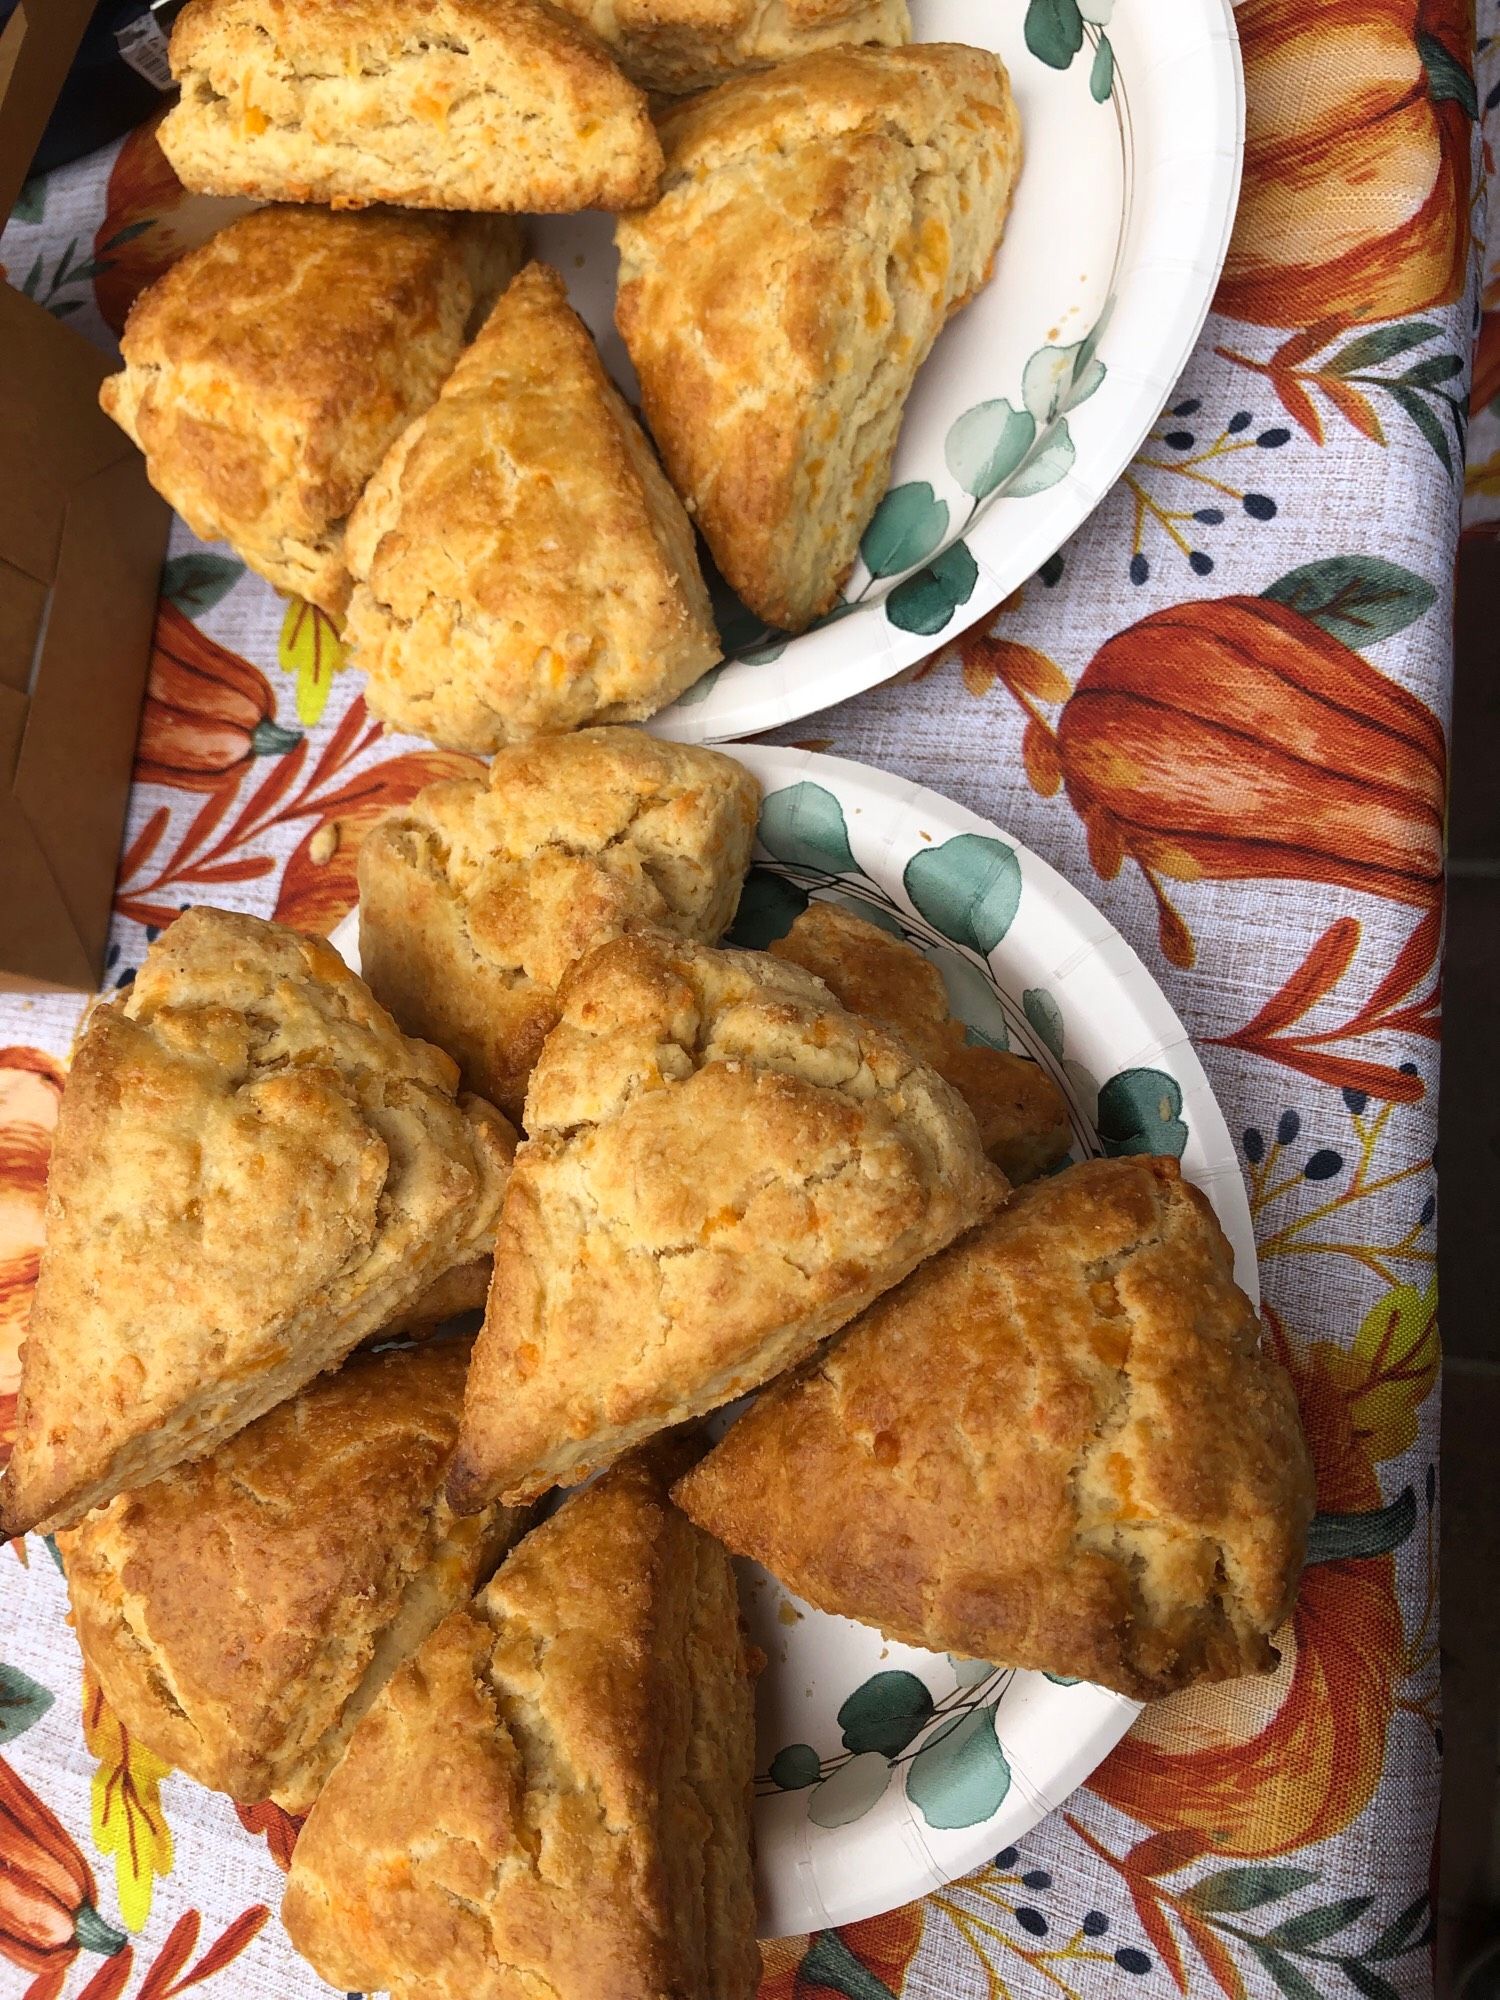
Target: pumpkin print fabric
{"points": [[1221, 711]]}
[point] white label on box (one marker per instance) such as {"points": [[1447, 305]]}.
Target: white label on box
{"points": [[143, 45]]}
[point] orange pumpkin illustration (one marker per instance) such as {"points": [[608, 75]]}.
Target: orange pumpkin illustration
{"points": [[1356, 193], [48, 1897], [207, 712], [150, 219], [30, 1091], [830, 1963]]}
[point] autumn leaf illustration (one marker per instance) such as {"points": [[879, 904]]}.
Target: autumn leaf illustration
{"points": [[127, 1812]]}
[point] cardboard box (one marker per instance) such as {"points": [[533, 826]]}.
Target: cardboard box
{"points": [[81, 542]]}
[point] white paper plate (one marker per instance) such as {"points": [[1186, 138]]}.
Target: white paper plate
{"points": [[884, 1772], [1041, 391]]}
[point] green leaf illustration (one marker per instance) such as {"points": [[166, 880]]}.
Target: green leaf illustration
{"points": [[1351, 1537], [1054, 31], [885, 1712], [831, 1966], [1397, 1937], [986, 444], [195, 582], [1369, 1983], [969, 1673], [1432, 369], [1294, 1984], [1052, 463], [1102, 75], [769, 906], [969, 888], [1233, 1890], [1384, 343], [870, 913], [1063, 1680], [796, 1767], [1045, 1016], [961, 1776], [701, 689], [1446, 76], [1426, 420], [848, 1793], [908, 525], [972, 998], [22, 1702], [1312, 1926], [31, 203], [1140, 1111], [1059, 378], [1359, 599], [1085, 1089], [926, 602], [804, 826]]}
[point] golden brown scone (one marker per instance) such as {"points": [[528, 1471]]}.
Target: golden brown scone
{"points": [[1057, 1446], [468, 104], [723, 1168], [242, 1613], [523, 566], [1021, 1113], [268, 372], [464, 1289], [253, 1170], [682, 45], [816, 227], [552, 1798], [474, 900]]}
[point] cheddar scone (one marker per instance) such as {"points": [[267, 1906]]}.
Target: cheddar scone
{"points": [[242, 1613], [268, 372], [254, 1169], [522, 565], [673, 46], [817, 226]]}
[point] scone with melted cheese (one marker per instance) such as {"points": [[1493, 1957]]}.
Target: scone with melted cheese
{"points": [[242, 1613], [475, 899], [553, 1796], [523, 566], [253, 1170], [817, 226], [674, 46], [269, 371], [467, 104], [723, 1167], [1021, 1113], [1056, 1446]]}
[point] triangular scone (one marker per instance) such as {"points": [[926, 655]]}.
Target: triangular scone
{"points": [[553, 1797], [468, 104], [1056, 1446], [1021, 1113], [254, 1168], [817, 226], [723, 1167], [243, 1612], [682, 45], [476, 898], [522, 565]]}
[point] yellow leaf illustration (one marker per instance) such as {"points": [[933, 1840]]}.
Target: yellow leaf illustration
{"points": [[310, 648], [1393, 1367], [128, 1819]]}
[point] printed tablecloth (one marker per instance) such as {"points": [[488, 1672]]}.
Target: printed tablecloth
{"points": [[1276, 570]]}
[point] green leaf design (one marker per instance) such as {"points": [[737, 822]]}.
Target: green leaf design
{"points": [[1352, 1537], [701, 688], [961, 1776], [1233, 1890], [762, 656], [969, 888], [1434, 368], [848, 1793], [926, 602], [1140, 1111], [1426, 421], [969, 1673], [1383, 344], [769, 906], [1045, 1016], [870, 913], [1446, 76], [830, 1965], [31, 203], [1359, 599], [803, 825], [972, 998], [885, 1712], [907, 526], [1363, 1980], [1102, 75], [1085, 1089], [986, 444], [1063, 1680], [1289, 1980], [22, 1702], [195, 582], [1312, 1926], [1393, 1940], [796, 1767], [1054, 31], [54, 1551], [1052, 463]]}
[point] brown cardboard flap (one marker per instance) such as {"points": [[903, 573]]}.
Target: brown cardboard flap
{"points": [[37, 47]]}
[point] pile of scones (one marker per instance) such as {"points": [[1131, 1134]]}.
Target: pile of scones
{"points": [[1004, 1407]]}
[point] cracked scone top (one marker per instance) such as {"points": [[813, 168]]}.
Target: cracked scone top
{"points": [[522, 565], [723, 1168], [553, 1797], [254, 1169], [466, 104], [1057, 1446], [269, 370], [817, 225], [241, 1613], [683, 45], [476, 898]]}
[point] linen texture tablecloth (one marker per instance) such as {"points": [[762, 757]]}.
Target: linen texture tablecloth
{"points": [[1278, 561]]}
